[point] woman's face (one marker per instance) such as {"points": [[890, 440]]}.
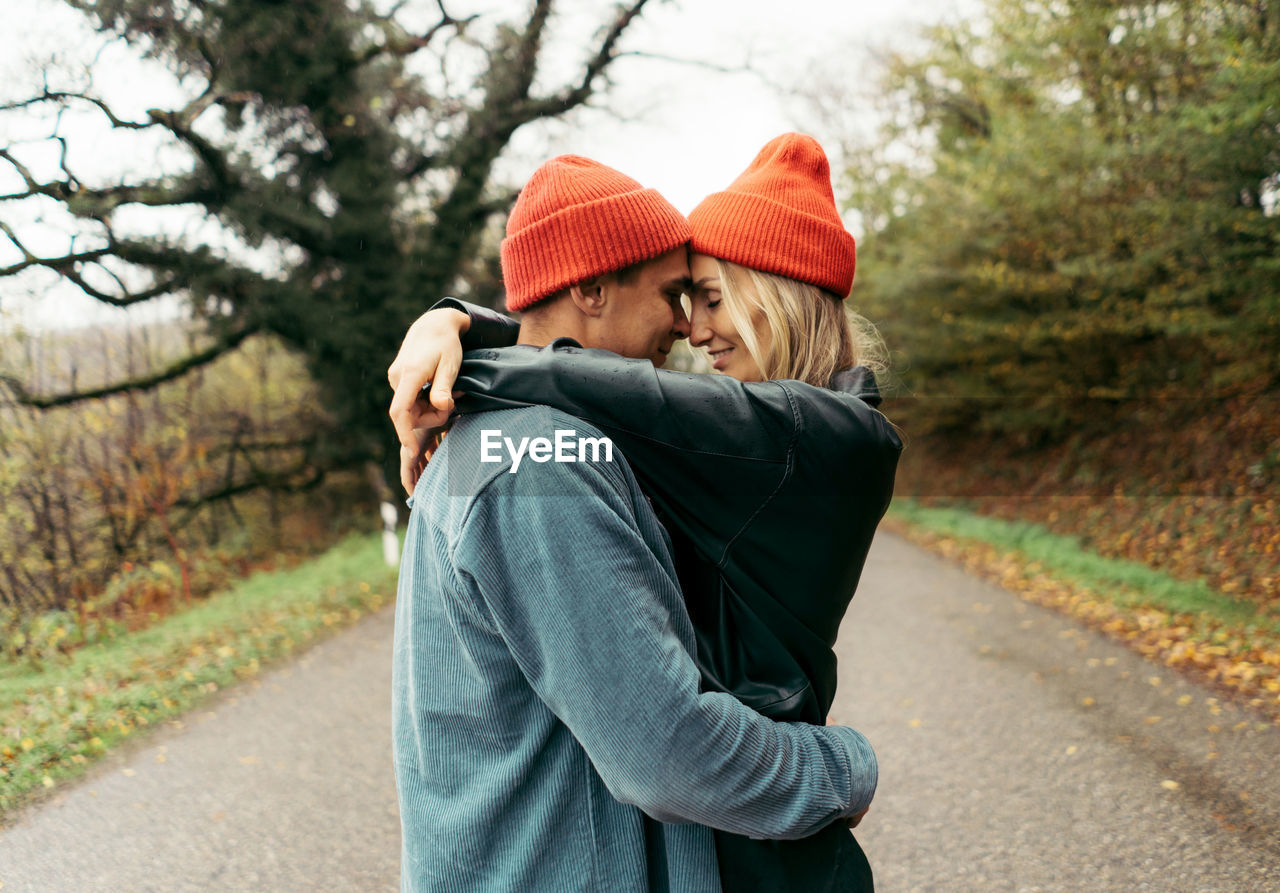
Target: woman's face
{"points": [[714, 330]]}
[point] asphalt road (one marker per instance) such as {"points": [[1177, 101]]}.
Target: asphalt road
{"points": [[1018, 751]]}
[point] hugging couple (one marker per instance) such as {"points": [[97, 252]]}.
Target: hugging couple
{"points": [[612, 667]]}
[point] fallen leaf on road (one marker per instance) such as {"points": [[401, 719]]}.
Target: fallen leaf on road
{"points": [[1184, 700], [249, 761], [915, 723], [1072, 749], [1087, 702], [129, 772], [1169, 785]]}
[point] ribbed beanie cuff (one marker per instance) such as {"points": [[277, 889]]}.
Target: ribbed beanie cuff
{"points": [[780, 217], [576, 219]]}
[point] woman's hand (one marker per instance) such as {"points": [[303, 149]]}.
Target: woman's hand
{"points": [[414, 459], [853, 821], [431, 353]]}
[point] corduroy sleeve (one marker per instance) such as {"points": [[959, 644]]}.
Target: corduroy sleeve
{"points": [[591, 615]]}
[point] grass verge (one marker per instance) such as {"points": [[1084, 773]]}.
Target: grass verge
{"points": [[1184, 624], [57, 720]]}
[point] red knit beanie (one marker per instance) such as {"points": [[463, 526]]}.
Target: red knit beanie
{"points": [[780, 217], [577, 218]]}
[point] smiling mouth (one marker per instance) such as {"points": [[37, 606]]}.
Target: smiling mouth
{"points": [[717, 354]]}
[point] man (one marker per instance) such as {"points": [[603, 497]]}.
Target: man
{"points": [[546, 707]]}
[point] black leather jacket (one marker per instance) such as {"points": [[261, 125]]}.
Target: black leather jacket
{"points": [[771, 492]]}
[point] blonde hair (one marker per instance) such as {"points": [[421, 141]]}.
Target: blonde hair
{"points": [[812, 334]]}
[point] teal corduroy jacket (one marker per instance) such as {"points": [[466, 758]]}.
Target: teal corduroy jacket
{"points": [[549, 728]]}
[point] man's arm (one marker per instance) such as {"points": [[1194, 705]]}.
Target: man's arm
{"points": [[589, 612]]}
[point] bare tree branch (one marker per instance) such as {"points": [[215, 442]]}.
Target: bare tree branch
{"points": [[53, 263], [126, 298], [68, 265], [63, 98], [744, 68], [34, 186], [399, 42], [179, 124], [265, 446], [558, 104], [22, 397], [281, 482]]}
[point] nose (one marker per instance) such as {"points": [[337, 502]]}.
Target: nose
{"points": [[679, 322], [699, 331]]}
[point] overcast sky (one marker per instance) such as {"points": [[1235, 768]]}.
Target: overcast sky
{"points": [[687, 129]]}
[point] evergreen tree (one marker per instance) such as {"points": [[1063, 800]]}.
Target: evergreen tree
{"points": [[317, 133]]}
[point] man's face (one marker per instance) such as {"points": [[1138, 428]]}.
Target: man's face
{"points": [[644, 317]]}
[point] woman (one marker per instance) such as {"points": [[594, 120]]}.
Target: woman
{"points": [[770, 479]]}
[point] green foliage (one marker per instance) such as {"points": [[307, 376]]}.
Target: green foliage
{"points": [[1129, 583], [1090, 217]]}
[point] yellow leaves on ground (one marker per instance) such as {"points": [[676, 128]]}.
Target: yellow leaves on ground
{"points": [[1244, 660], [1170, 785]]}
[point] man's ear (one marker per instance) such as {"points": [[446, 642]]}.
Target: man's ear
{"points": [[589, 296]]}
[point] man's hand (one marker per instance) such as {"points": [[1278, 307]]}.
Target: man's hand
{"points": [[431, 353]]}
